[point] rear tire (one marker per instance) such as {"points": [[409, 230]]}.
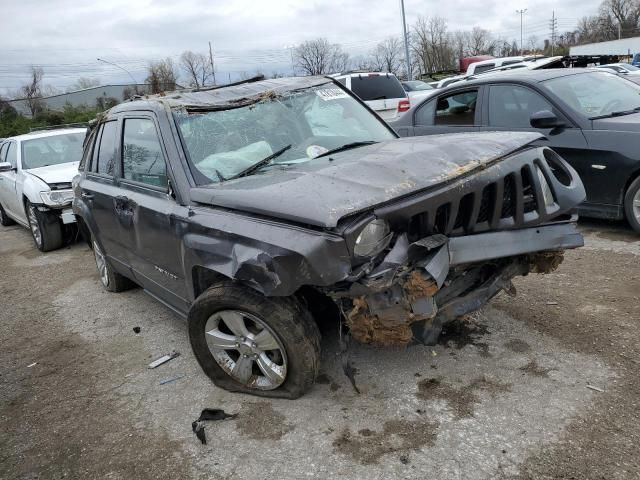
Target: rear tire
{"points": [[45, 227], [5, 221], [111, 280], [632, 204], [294, 346]]}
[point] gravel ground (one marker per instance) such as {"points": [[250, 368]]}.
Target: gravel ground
{"points": [[545, 385]]}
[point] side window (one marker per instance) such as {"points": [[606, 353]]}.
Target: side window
{"points": [[94, 150], [12, 154], [484, 68], [424, 116], [3, 151], [107, 150], [142, 158], [87, 150], [512, 105], [457, 109]]}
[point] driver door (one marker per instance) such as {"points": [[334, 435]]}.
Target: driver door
{"points": [[509, 108], [11, 201]]}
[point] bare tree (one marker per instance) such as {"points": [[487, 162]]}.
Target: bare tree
{"points": [[84, 82], [387, 55], [162, 76], [319, 57], [480, 42], [532, 43], [432, 45], [32, 92], [197, 68]]}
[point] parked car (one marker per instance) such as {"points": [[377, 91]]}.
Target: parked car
{"points": [[591, 118], [35, 183], [382, 91], [621, 68], [245, 208], [413, 87]]}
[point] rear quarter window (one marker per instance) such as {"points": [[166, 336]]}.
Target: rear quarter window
{"points": [[377, 87]]}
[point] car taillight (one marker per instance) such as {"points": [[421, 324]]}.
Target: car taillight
{"points": [[403, 106]]}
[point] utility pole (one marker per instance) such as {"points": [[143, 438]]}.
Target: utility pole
{"points": [[554, 26], [406, 42], [521, 12], [619, 31], [213, 70]]}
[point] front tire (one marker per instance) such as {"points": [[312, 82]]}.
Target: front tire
{"points": [[246, 342], [45, 227], [632, 204]]}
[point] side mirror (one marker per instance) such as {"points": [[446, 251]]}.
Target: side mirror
{"points": [[545, 119], [5, 167]]}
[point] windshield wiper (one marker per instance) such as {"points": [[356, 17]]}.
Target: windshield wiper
{"points": [[619, 113], [258, 165], [346, 146]]}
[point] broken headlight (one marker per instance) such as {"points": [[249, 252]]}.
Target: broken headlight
{"points": [[546, 189], [373, 238], [57, 198]]}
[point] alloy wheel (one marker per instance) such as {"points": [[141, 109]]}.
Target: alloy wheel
{"points": [[636, 206], [101, 264], [35, 227], [246, 349]]}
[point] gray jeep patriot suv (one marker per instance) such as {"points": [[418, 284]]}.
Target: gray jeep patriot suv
{"points": [[259, 210]]}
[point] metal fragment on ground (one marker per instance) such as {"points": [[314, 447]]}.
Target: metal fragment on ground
{"points": [[164, 359]]}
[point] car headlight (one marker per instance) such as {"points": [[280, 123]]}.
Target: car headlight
{"points": [[372, 239], [546, 189], [57, 198]]}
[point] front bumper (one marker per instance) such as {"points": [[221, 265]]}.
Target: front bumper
{"points": [[420, 286]]}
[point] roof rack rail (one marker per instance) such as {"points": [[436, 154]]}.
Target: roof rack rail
{"points": [[58, 127], [143, 96]]}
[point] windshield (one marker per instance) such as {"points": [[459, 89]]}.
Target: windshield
{"points": [[54, 150], [596, 94], [374, 86], [225, 143]]}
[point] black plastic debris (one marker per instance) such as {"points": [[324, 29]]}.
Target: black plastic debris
{"points": [[208, 414], [136, 330]]}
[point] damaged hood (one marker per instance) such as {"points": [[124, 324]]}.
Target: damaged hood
{"points": [[322, 191], [61, 173]]}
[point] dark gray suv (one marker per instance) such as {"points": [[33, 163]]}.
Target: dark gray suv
{"points": [[259, 210]]}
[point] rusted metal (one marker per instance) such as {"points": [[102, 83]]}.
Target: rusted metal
{"points": [[545, 262]]}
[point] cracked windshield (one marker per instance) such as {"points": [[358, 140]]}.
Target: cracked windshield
{"points": [[275, 132]]}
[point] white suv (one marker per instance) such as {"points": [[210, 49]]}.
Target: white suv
{"points": [[383, 92], [36, 170]]}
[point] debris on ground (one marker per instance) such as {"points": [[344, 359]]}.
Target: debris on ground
{"points": [[591, 387], [552, 303], [136, 330], [208, 414], [164, 359], [171, 380], [32, 365]]}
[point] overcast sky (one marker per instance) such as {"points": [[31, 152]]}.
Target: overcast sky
{"points": [[66, 37]]}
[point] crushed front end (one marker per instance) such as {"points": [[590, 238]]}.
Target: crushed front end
{"points": [[448, 251]]}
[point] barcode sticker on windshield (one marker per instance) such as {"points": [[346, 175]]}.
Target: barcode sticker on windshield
{"points": [[331, 93]]}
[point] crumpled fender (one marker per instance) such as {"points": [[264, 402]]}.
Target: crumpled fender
{"points": [[283, 260]]}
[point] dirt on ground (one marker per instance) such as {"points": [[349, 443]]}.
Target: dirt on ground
{"points": [[545, 385]]}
